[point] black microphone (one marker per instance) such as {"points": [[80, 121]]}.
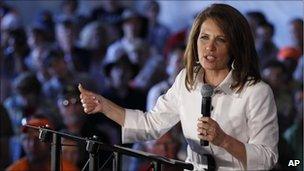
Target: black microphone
{"points": [[206, 92]]}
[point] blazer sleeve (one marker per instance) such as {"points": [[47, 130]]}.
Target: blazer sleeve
{"points": [[261, 149], [142, 126]]}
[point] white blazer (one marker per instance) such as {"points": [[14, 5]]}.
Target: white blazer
{"points": [[249, 116]]}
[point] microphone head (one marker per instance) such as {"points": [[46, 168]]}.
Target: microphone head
{"points": [[206, 90]]}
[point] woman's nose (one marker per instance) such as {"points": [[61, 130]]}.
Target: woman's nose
{"points": [[211, 46]]}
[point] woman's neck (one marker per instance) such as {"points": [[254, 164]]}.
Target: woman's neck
{"points": [[215, 77]]}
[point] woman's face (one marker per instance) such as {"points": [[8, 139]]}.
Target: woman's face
{"points": [[212, 46]]}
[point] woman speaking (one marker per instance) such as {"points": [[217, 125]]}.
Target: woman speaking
{"points": [[242, 130]]}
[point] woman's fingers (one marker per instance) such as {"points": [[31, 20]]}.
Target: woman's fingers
{"points": [[88, 105], [203, 125], [205, 137], [89, 100], [82, 90], [88, 110], [207, 128], [210, 130]]}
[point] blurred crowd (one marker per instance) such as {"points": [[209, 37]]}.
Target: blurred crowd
{"points": [[129, 57]]}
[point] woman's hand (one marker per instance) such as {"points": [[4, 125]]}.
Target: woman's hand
{"points": [[94, 103], [91, 102], [209, 130]]}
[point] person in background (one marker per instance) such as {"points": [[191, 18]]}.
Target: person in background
{"points": [[27, 101], [294, 134], [297, 37], [15, 54], [174, 66], [167, 145], [44, 19], [157, 32], [76, 123], [13, 60], [120, 73], [138, 51], [276, 75], [134, 33], [242, 130], [39, 45], [110, 14], [266, 48], [255, 18], [37, 153], [94, 37], [6, 132], [298, 73], [69, 11], [289, 56], [296, 29], [10, 20], [60, 74], [78, 59]]}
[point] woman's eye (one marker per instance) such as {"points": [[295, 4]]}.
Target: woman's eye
{"points": [[221, 40], [204, 37]]}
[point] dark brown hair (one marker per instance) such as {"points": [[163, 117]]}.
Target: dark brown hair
{"points": [[241, 45]]}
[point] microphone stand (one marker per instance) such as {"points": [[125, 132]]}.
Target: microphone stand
{"points": [[46, 136], [93, 146]]}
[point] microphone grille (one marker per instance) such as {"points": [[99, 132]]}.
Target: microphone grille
{"points": [[206, 90]]}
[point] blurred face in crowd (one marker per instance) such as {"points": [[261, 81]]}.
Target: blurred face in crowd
{"points": [[34, 39], [99, 37], [4, 37], [71, 110], [35, 150], [120, 75], [109, 5], [297, 33], [65, 36], [131, 27], [152, 11], [212, 46], [58, 68], [165, 146], [28, 98], [70, 7], [274, 76], [15, 43], [113, 33], [264, 34]]}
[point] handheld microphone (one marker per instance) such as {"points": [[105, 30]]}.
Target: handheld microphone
{"points": [[206, 92]]}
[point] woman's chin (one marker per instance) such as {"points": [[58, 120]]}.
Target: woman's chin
{"points": [[209, 66]]}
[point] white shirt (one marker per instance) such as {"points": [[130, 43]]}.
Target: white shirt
{"points": [[249, 116]]}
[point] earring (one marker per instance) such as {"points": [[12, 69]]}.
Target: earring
{"points": [[232, 65], [197, 62]]}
